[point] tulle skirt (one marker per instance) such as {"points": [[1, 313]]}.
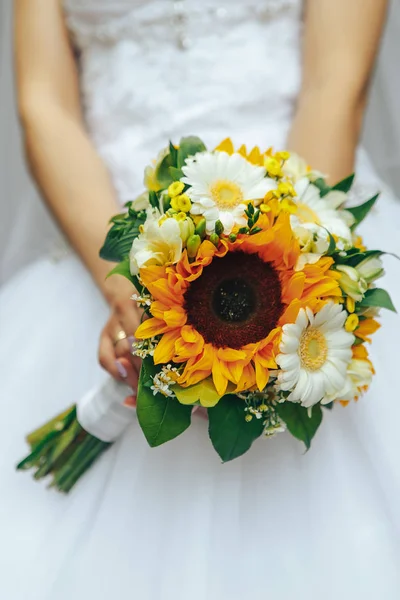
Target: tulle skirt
{"points": [[173, 522]]}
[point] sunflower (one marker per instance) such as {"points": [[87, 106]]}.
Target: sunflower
{"points": [[221, 315]]}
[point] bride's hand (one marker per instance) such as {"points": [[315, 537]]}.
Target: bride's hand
{"points": [[114, 354]]}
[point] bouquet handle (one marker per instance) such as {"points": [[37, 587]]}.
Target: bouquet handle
{"points": [[102, 412]]}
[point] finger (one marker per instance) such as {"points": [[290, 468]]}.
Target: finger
{"points": [[130, 401], [108, 359], [132, 375], [129, 316], [123, 347]]}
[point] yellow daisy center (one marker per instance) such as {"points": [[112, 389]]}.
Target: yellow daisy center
{"points": [[313, 349], [226, 194], [306, 214]]}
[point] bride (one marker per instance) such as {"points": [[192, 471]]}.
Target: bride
{"points": [[103, 86]]}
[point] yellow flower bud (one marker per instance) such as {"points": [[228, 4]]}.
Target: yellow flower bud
{"points": [[285, 188], [175, 189], [214, 239], [192, 245], [201, 224], [264, 208], [175, 204], [350, 304], [283, 155], [352, 322], [288, 206], [273, 166], [181, 216], [263, 407], [186, 226], [183, 202], [248, 418]]}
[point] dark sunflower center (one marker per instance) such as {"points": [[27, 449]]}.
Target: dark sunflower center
{"points": [[236, 300]]}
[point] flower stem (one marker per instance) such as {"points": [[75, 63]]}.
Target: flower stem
{"points": [[63, 449]]}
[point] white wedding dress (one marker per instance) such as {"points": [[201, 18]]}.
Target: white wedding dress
{"points": [[173, 523]]}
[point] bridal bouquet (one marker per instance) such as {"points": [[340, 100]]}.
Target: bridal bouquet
{"points": [[259, 297]]}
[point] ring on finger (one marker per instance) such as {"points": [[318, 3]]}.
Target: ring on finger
{"points": [[120, 336]]}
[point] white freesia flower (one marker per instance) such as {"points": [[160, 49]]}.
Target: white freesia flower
{"points": [[359, 377], [354, 281], [220, 184], [313, 245], [315, 352], [150, 172], [371, 269], [297, 168], [320, 214], [160, 243], [351, 282], [141, 202]]}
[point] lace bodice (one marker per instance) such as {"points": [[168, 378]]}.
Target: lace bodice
{"points": [[154, 70]]}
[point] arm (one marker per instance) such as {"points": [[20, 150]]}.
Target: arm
{"points": [[70, 175], [341, 39]]}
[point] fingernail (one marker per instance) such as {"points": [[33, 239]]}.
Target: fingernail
{"points": [[121, 369], [130, 401], [131, 340]]}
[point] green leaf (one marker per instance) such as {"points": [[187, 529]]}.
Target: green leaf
{"points": [[323, 187], [298, 422], [332, 243], [355, 259], [345, 184], [377, 297], [230, 434], [123, 268], [175, 173], [189, 146], [161, 418], [360, 212], [120, 236], [153, 199], [174, 154], [162, 174]]}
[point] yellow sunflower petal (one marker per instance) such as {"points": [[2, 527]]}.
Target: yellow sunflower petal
{"points": [[229, 354], [165, 349], [150, 328], [175, 317], [225, 146], [219, 379], [262, 375], [255, 156]]}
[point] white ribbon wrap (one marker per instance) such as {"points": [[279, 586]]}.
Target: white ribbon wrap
{"points": [[102, 412]]}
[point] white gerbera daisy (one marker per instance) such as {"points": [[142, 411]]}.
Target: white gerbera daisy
{"points": [[315, 355], [321, 214], [220, 184]]}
